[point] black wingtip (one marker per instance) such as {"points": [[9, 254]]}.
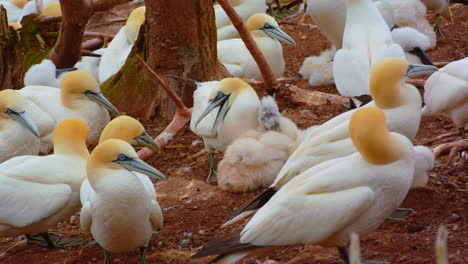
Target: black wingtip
{"points": [[224, 246], [256, 203], [421, 55]]}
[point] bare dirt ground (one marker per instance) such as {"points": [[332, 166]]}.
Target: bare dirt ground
{"points": [[195, 210]]}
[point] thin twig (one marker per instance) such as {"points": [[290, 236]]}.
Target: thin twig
{"points": [[268, 76], [98, 35]]}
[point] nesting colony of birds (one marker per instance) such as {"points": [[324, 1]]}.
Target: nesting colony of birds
{"points": [[362, 140]]}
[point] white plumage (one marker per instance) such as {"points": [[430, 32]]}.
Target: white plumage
{"points": [[410, 39], [91, 64], [424, 163], [44, 74], [318, 70]]}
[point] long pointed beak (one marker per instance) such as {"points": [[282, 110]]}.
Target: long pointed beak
{"points": [[278, 34], [64, 70], [447, 15], [100, 99], [146, 141], [419, 69], [23, 120], [222, 100], [137, 165]]}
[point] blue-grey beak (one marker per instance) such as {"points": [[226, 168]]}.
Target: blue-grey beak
{"points": [[21, 118], [58, 72], [137, 165], [145, 140], [100, 99], [419, 69], [277, 33], [221, 100]]}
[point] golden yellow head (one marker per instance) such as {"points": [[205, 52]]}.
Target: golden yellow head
{"points": [[77, 82], [258, 21], [19, 3], [70, 137], [134, 22], [15, 25], [52, 9], [369, 133], [11, 99], [123, 127]]}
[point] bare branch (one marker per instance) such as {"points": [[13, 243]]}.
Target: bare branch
{"points": [[268, 76], [98, 35], [93, 44], [89, 53]]}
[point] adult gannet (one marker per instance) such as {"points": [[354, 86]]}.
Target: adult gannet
{"points": [[244, 8], [238, 107], [79, 97], [18, 134], [117, 52], [45, 74], [366, 40], [266, 32], [446, 93], [123, 212], [400, 102], [328, 202], [37, 192]]}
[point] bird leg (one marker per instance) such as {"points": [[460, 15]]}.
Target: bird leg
{"points": [[344, 255], [437, 26], [462, 132], [107, 259], [143, 255], [213, 169], [54, 240]]}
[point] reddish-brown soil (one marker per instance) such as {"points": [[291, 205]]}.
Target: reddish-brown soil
{"points": [[195, 210]]}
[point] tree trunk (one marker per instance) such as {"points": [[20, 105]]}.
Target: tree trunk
{"points": [[178, 38]]}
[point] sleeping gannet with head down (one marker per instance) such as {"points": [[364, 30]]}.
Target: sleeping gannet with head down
{"points": [[244, 8], [79, 97], [400, 102], [326, 203], [18, 134], [38, 192], [266, 32], [45, 74], [238, 108], [122, 212]]}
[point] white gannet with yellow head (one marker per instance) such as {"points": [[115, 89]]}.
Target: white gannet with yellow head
{"points": [[326, 203], [38, 192], [128, 129], [366, 40], [400, 102], [79, 97], [121, 45], [18, 134], [238, 108], [266, 32], [244, 8], [122, 213], [446, 93]]}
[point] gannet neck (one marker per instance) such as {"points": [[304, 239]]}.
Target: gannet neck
{"points": [[70, 138], [134, 22], [370, 136], [385, 82], [122, 127], [260, 34]]}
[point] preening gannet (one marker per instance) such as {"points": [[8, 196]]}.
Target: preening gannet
{"points": [[79, 97], [266, 32], [37, 192], [328, 202], [45, 74], [244, 8], [18, 134], [123, 212], [238, 108], [121, 45]]}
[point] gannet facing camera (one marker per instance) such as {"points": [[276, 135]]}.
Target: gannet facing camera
{"points": [[400, 102], [266, 32], [18, 134], [122, 213], [37, 192], [366, 40], [254, 159], [244, 8], [45, 74], [79, 97], [121, 45], [326, 203], [446, 93], [238, 108]]}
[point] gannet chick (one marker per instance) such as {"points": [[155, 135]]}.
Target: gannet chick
{"points": [[244, 8], [366, 40], [45, 74], [37, 192], [18, 134], [442, 10], [254, 159], [238, 108], [79, 97], [400, 102], [318, 70], [424, 163], [266, 32], [123, 212], [121, 45], [446, 93], [328, 202], [414, 43]]}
